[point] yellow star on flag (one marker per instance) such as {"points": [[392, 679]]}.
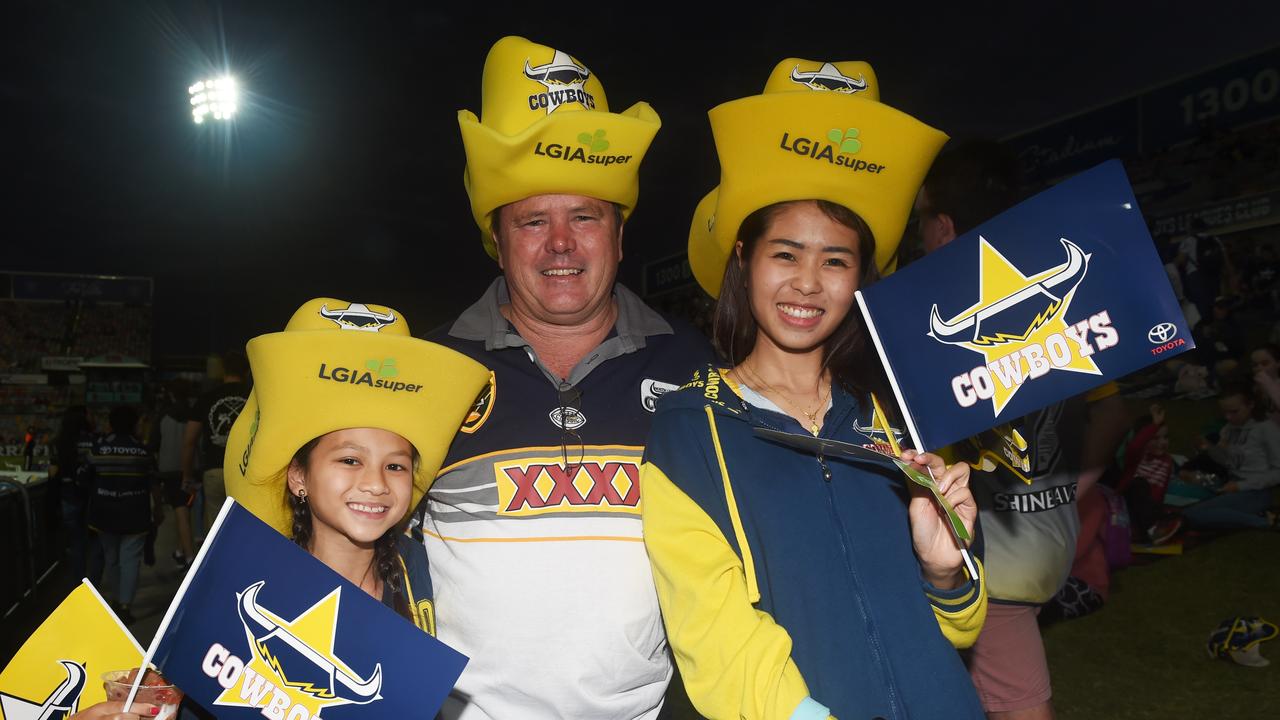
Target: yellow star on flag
{"points": [[1000, 279], [316, 628]]}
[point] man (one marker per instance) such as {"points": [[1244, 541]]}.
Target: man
{"points": [[1029, 545], [533, 525], [207, 429], [125, 502]]}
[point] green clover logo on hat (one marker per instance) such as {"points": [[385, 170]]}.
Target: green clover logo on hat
{"points": [[846, 139], [385, 368], [596, 142]]}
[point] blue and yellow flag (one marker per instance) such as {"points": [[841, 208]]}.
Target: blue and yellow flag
{"points": [[262, 628], [59, 668], [1050, 299]]}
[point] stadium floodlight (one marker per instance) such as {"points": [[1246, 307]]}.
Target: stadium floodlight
{"points": [[216, 97]]}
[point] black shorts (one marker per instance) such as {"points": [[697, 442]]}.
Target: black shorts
{"points": [[173, 492]]}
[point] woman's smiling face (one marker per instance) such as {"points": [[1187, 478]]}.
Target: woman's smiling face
{"points": [[802, 275]]}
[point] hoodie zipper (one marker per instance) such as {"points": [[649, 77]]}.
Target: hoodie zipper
{"points": [[856, 586], [757, 416]]}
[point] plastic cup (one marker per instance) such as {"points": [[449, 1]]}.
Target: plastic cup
{"points": [[166, 697]]}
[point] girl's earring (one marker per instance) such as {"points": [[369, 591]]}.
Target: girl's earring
{"points": [[302, 496]]}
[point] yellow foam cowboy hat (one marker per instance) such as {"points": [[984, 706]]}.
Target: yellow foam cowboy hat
{"points": [[819, 131], [545, 128], [342, 365]]}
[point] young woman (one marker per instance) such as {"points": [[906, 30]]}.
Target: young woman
{"points": [[795, 585]]}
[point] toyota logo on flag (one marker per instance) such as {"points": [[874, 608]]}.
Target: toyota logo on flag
{"points": [[1162, 333]]}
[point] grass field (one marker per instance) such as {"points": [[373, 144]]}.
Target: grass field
{"points": [[1142, 655]]}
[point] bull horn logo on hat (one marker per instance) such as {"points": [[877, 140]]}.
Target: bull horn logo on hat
{"points": [[272, 639], [357, 316], [968, 330], [562, 70], [61, 703], [564, 80], [829, 78]]}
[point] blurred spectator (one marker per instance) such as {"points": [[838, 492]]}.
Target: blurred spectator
{"points": [[1170, 259], [206, 435], [1263, 274], [125, 502], [1196, 280], [1249, 452], [1148, 468], [166, 440], [71, 455], [1221, 340], [1265, 362]]}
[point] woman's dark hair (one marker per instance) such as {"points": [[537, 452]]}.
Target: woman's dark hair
{"points": [[386, 557], [848, 352]]}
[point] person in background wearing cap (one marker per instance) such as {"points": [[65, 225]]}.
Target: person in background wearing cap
{"points": [[793, 585], [205, 440], [1028, 554], [347, 423], [533, 526]]}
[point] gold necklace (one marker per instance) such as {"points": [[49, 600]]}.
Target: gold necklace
{"points": [[812, 415]]}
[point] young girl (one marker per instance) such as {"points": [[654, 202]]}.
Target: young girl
{"points": [[344, 430], [1148, 468], [794, 585], [341, 436], [1249, 450]]}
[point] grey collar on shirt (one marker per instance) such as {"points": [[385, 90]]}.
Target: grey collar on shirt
{"points": [[636, 321]]}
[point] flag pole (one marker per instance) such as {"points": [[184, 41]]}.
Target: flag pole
{"points": [[210, 538]]}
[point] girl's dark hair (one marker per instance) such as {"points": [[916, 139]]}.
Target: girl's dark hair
{"points": [[386, 556], [1243, 390], [848, 352], [1271, 349]]}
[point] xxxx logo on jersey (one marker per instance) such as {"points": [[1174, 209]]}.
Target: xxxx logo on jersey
{"points": [[542, 485], [1019, 326]]}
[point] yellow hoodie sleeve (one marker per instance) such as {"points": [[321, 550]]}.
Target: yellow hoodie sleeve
{"points": [[734, 659], [961, 612]]}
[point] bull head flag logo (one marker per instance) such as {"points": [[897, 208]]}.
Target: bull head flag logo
{"points": [[60, 704], [1019, 321], [298, 655]]}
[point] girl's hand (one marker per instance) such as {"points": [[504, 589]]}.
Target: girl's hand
{"points": [[935, 546], [114, 710]]}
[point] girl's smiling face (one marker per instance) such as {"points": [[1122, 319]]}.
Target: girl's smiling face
{"points": [[358, 484]]}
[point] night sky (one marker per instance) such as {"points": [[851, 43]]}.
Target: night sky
{"points": [[342, 174]]}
